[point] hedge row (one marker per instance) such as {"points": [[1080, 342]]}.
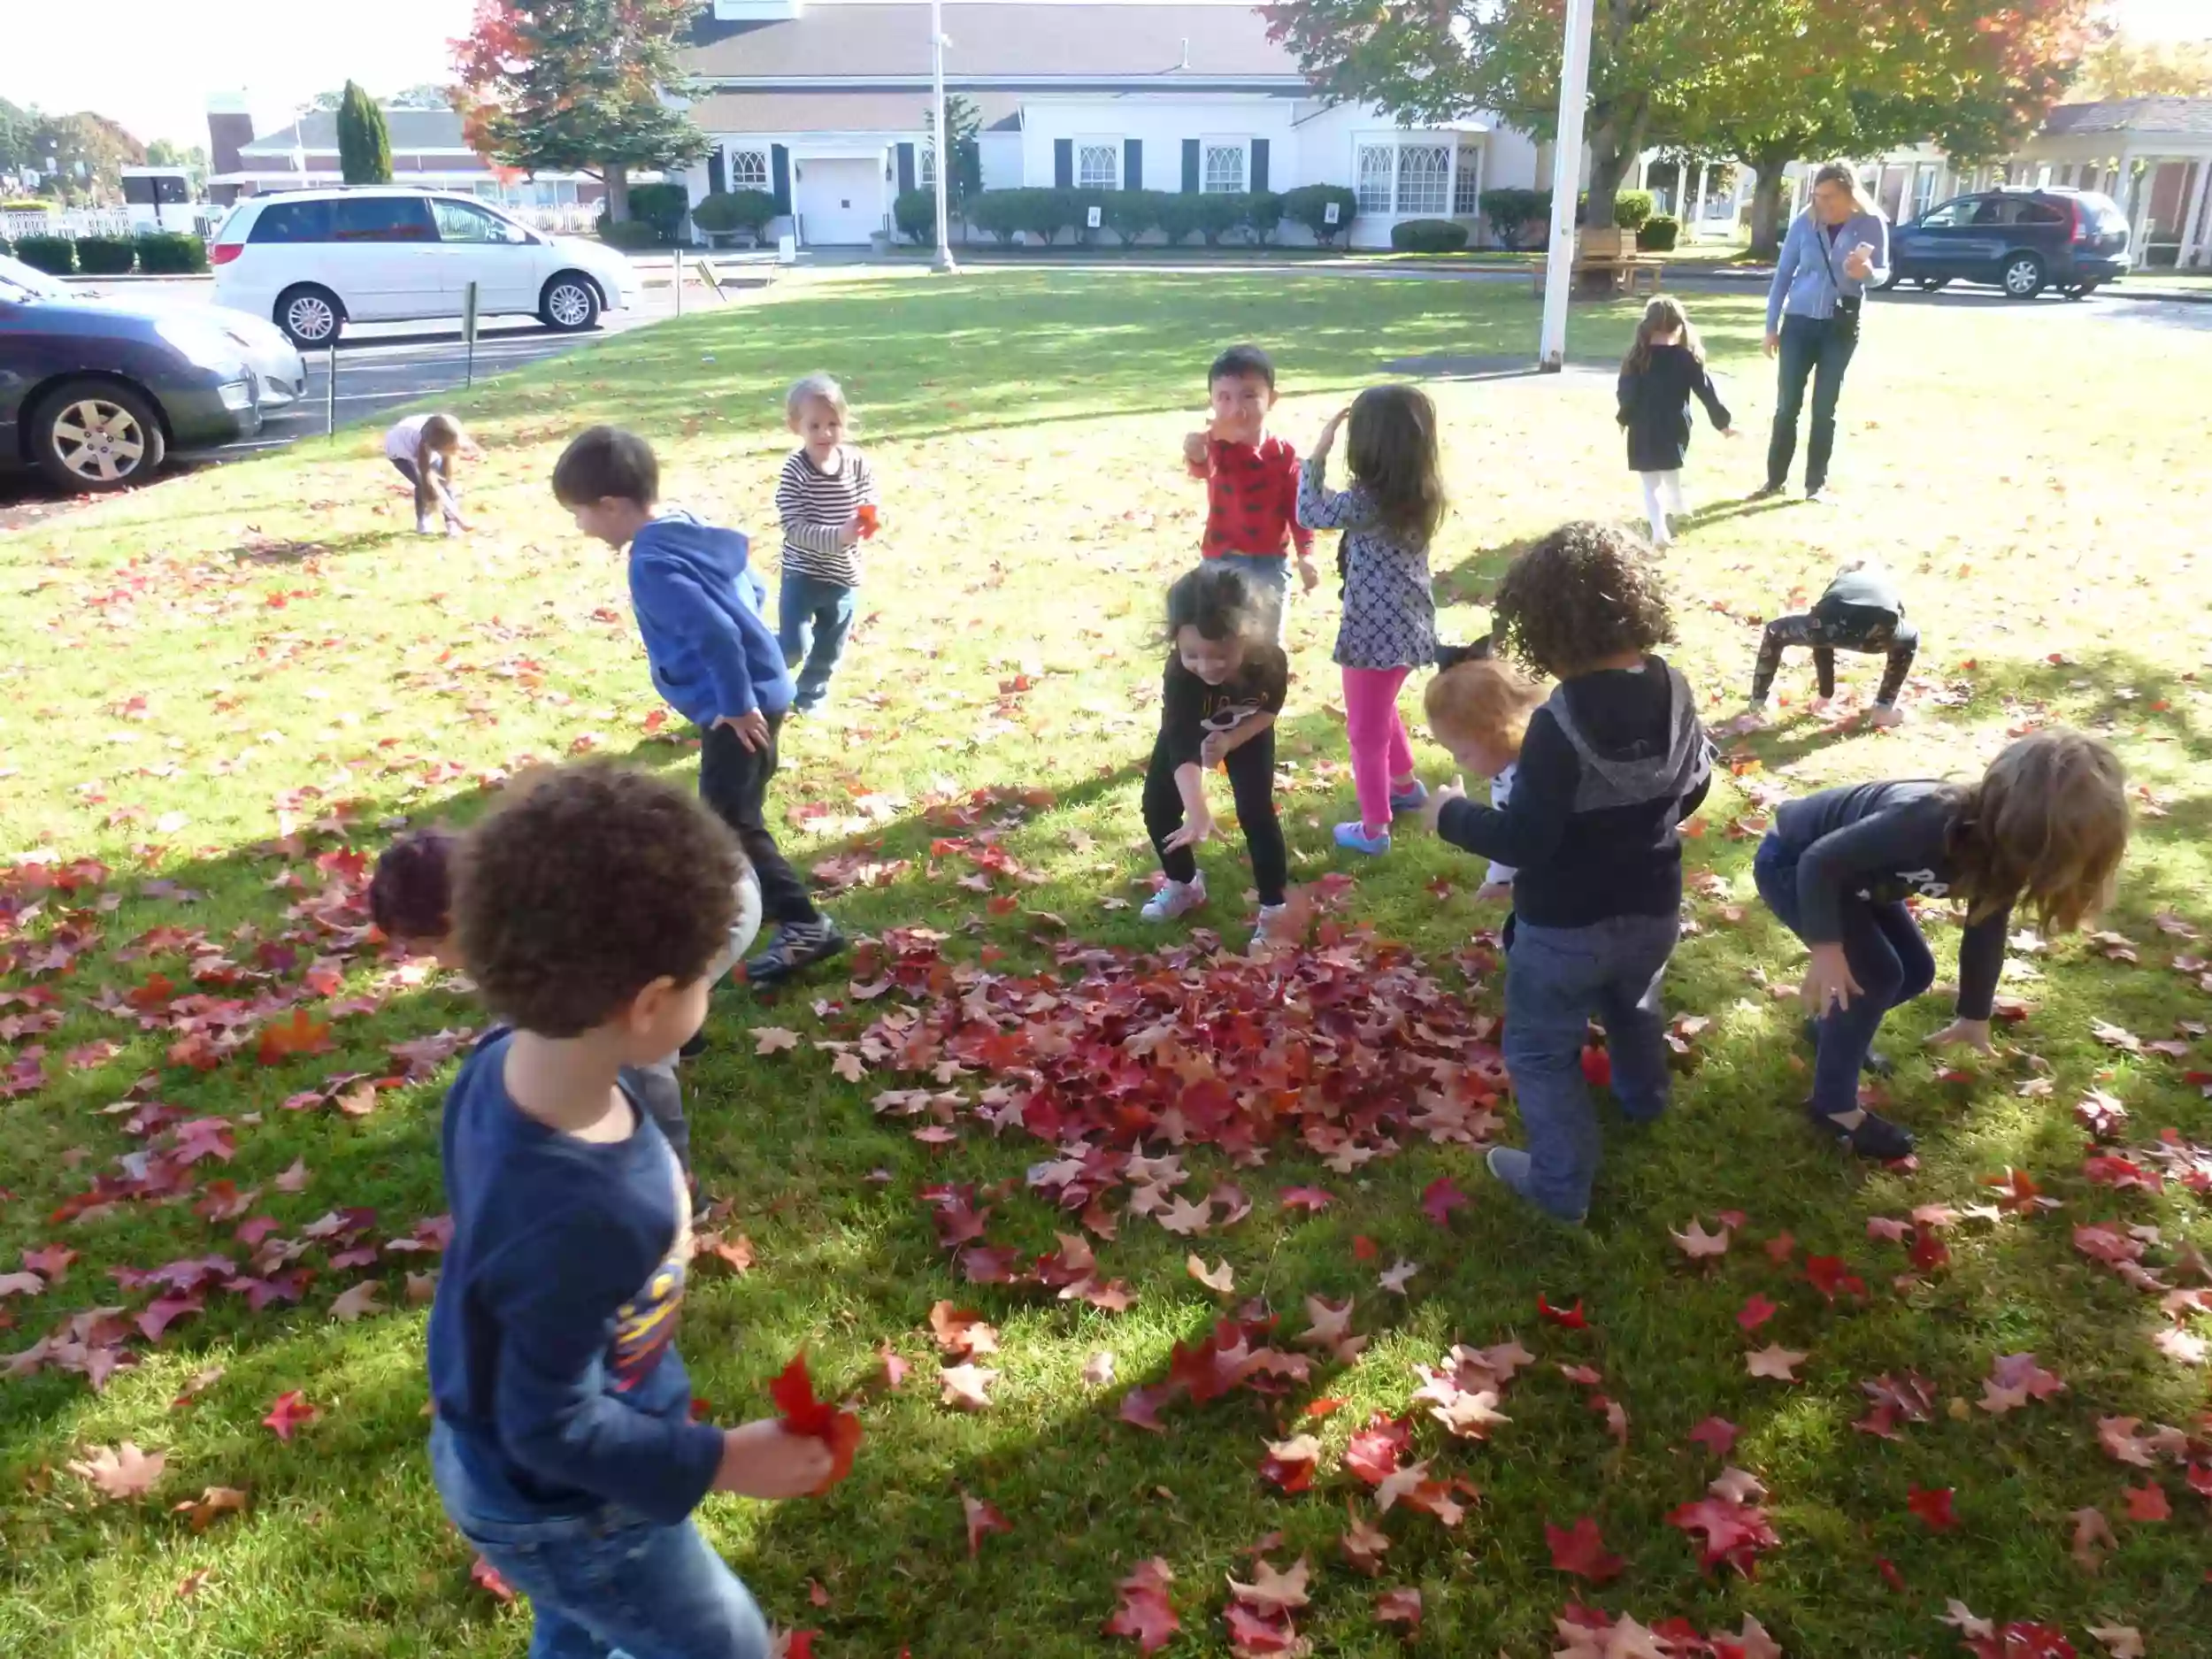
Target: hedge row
{"points": [[151, 253], [1130, 214], [1518, 216]]}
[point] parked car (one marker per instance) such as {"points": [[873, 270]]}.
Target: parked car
{"points": [[312, 261], [98, 393], [2021, 241]]}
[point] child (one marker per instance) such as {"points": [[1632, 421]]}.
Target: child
{"points": [[1612, 763], [1479, 710], [1861, 610], [423, 448], [410, 901], [2047, 825], [827, 500], [698, 606], [1226, 684], [1251, 480], [1662, 371], [588, 906], [1389, 516]]}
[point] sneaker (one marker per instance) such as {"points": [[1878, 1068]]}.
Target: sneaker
{"points": [[1767, 491], [1867, 1133], [1263, 938], [1873, 1066], [1174, 898], [1354, 838], [423, 525], [796, 945], [1823, 495], [1412, 800], [1513, 1166], [1885, 714]]}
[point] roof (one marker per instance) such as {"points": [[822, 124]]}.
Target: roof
{"points": [[410, 130], [2192, 116], [809, 111], [1006, 41]]}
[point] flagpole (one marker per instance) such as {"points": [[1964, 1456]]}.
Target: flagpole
{"points": [[945, 149], [1566, 185]]}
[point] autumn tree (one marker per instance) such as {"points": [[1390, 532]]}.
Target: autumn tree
{"points": [[2127, 66], [561, 85], [364, 147]]}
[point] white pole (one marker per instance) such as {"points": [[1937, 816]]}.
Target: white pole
{"points": [[2187, 257], [1566, 183], [944, 261], [1697, 212]]}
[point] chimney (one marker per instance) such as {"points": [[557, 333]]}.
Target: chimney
{"points": [[229, 129]]}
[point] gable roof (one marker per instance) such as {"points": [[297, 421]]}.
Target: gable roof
{"points": [[845, 43], [807, 110], [2192, 116], [410, 130]]}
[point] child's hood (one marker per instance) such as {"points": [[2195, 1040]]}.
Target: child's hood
{"points": [[680, 537], [1636, 733]]}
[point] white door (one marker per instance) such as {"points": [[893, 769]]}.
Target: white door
{"points": [[385, 258], [839, 203], [497, 256]]}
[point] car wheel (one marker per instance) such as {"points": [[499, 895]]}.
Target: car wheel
{"points": [[309, 315], [92, 436], [571, 303], [2023, 276], [1932, 284]]}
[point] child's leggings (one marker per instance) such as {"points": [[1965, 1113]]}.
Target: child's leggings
{"points": [[1662, 495], [1380, 752], [1897, 638], [1251, 769]]}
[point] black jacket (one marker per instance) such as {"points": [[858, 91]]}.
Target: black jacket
{"points": [[1654, 406]]}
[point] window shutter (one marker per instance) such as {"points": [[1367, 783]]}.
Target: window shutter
{"points": [[906, 168], [1190, 166], [1063, 163], [717, 172], [1132, 163], [1259, 165], [780, 176]]}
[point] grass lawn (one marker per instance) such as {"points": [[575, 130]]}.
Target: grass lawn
{"points": [[220, 694]]}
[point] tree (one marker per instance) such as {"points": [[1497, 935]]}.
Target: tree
{"points": [[364, 147], [427, 94], [162, 153], [15, 137], [964, 122], [567, 85], [2124, 67], [81, 156]]}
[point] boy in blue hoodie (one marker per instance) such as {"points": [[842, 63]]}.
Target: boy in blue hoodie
{"points": [[714, 657]]}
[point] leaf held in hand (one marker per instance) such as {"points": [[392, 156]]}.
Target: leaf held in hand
{"points": [[792, 1392]]}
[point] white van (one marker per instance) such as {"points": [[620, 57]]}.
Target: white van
{"points": [[312, 261]]}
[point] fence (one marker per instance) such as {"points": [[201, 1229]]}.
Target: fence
{"points": [[97, 221]]}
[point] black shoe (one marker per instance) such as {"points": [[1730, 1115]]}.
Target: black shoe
{"points": [[1874, 1137], [796, 945], [1768, 492], [1873, 1066]]}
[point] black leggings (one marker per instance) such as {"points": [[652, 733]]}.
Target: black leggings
{"points": [[1252, 781], [733, 782], [1899, 640]]}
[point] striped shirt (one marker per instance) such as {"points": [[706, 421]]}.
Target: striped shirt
{"points": [[816, 506]]}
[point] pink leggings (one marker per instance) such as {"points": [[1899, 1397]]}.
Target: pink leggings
{"points": [[1380, 754]]}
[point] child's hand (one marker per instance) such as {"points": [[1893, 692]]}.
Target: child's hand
{"points": [[1308, 576], [1440, 797], [1196, 445], [751, 728], [1974, 1034], [763, 1460], [1828, 980], [1732, 432], [1211, 749], [1322, 444], [1198, 827], [849, 533], [1495, 892]]}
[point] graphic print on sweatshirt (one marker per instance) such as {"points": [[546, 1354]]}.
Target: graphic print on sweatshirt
{"points": [[646, 1324]]}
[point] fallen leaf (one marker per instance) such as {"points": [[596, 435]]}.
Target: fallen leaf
{"points": [[1439, 1199], [2146, 1503], [1144, 1614], [1289, 1464], [212, 1503], [1581, 1550], [1698, 1244], [962, 1333], [1098, 1371], [1755, 1312], [354, 1303], [121, 1472], [773, 1040], [193, 1582], [965, 1385], [1400, 1607], [485, 1577], [1270, 1591], [1218, 1277], [2091, 1532], [983, 1518], [2122, 1641], [1775, 1362], [288, 1412], [1716, 1434], [1932, 1507]]}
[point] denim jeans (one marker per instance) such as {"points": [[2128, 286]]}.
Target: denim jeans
{"points": [[1887, 956], [1812, 348], [1556, 978], [1271, 577], [608, 1584], [813, 617]]}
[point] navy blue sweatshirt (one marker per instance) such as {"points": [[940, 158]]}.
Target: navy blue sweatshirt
{"points": [[698, 606], [551, 1356], [1610, 767], [1879, 842]]}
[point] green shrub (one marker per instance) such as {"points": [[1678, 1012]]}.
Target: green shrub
{"points": [[1428, 236], [56, 256], [1308, 205], [170, 253], [106, 256], [25, 204], [913, 214], [1263, 214], [1045, 213], [628, 233], [1130, 213], [1517, 215], [727, 212], [663, 207], [1632, 208], [1658, 234], [1179, 215], [1221, 211], [992, 213]]}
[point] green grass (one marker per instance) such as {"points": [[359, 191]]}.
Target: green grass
{"points": [[299, 658]]}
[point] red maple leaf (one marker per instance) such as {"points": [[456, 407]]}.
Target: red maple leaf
{"points": [[486, 1576], [1716, 1434], [1828, 1275], [2148, 1503], [1597, 1066], [793, 1390], [1307, 1198], [1374, 1453], [1755, 1312], [1439, 1198], [1572, 1319], [1735, 1531], [288, 1412], [295, 1036], [1932, 1506], [1580, 1549], [982, 1517], [1144, 1614]]}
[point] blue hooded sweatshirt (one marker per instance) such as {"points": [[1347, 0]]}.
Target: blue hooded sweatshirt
{"points": [[698, 606]]}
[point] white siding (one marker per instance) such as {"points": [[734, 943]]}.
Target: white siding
{"points": [[1161, 122]]}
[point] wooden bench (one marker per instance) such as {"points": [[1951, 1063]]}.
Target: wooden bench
{"points": [[1607, 267]]}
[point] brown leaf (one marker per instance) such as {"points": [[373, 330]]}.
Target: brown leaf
{"points": [[213, 1503], [773, 1040], [962, 1333], [965, 1385], [121, 1472], [354, 1303], [1270, 1591], [422, 1289], [1698, 1244], [2092, 1533], [1218, 1277], [1775, 1362]]}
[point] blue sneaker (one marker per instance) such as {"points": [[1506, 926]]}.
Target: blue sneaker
{"points": [[1512, 1166], [1413, 800], [1354, 838]]}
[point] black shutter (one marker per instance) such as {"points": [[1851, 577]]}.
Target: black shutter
{"points": [[1190, 166], [780, 176], [906, 168], [717, 173], [1259, 165], [1063, 163], [1132, 163]]}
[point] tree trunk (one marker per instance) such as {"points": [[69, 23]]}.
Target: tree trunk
{"points": [[1766, 205], [618, 179], [1610, 161]]}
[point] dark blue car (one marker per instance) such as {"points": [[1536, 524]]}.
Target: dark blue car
{"points": [[2022, 241], [96, 395]]}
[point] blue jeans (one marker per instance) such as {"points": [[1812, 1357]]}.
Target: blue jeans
{"points": [[1556, 978], [608, 1584], [1815, 349], [813, 616], [1272, 577], [1887, 956]]}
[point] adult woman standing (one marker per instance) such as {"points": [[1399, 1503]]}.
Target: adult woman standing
{"points": [[1836, 249]]}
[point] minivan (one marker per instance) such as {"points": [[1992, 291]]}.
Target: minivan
{"points": [[312, 261], [2022, 241]]}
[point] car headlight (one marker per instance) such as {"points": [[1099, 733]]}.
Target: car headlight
{"points": [[235, 395]]}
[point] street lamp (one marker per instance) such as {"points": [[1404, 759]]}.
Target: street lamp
{"points": [[1566, 184], [937, 43]]}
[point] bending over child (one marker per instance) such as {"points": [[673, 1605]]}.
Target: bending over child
{"points": [[423, 448], [1480, 709], [1861, 610]]}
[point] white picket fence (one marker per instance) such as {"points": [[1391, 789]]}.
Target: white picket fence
{"points": [[95, 221]]}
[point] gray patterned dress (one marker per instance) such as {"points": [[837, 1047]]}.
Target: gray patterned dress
{"points": [[1389, 611]]}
